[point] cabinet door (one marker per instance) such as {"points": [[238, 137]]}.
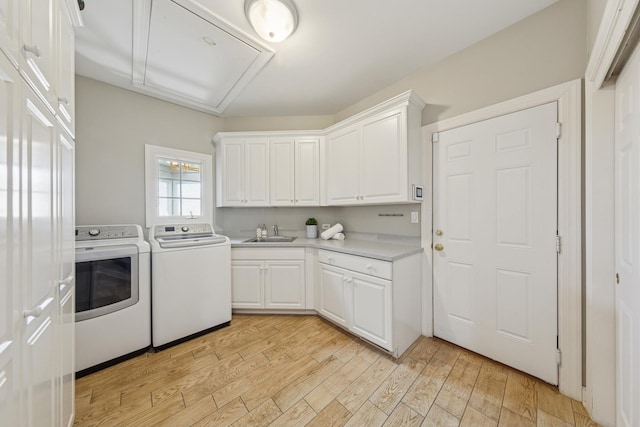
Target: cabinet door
{"points": [[66, 325], [10, 247], [371, 308], [10, 29], [231, 176], [40, 367], [383, 169], [343, 165], [256, 183], [333, 304], [247, 284], [65, 75], [282, 152], [38, 139], [37, 48], [284, 284], [307, 173]]}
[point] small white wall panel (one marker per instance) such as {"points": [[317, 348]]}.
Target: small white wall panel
{"points": [[514, 220], [459, 209], [460, 291]]}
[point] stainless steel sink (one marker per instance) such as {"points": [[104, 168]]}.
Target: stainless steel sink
{"points": [[271, 239]]}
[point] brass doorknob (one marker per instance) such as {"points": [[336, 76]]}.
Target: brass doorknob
{"points": [[438, 246], [439, 232]]}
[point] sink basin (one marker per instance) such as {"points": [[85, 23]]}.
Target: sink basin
{"points": [[271, 239]]}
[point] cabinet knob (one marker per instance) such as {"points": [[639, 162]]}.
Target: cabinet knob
{"points": [[63, 100], [32, 49], [369, 267]]}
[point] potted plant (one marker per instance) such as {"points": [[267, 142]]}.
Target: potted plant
{"points": [[312, 228]]}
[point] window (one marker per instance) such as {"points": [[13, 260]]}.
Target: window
{"points": [[178, 186]]}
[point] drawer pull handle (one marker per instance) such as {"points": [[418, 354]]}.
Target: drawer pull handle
{"points": [[32, 50], [34, 312], [63, 100], [369, 267]]}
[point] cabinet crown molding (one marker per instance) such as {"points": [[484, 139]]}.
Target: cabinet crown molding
{"points": [[404, 99]]}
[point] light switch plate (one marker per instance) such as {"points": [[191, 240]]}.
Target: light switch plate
{"points": [[326, 226], [414, 217]]}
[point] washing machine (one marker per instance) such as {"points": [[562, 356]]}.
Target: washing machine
{"points": [[113, 295], [191, 282]]}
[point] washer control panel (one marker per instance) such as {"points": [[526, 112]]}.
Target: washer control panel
{"points": [[181, 230], [102, 232]]}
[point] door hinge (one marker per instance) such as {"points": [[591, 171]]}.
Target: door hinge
{"points": [[558, 130], [435, 137], [558, 357], [557, 243]]}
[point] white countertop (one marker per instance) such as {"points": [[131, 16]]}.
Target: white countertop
{"points": [[367, 248]]}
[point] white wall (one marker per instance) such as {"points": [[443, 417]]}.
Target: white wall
{"points": [[540, 51], [113, 125]]}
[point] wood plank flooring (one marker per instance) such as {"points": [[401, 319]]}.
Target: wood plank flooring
{"points": [[300, 370]]}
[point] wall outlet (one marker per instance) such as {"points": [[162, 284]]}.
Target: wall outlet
{"points": [[414, 217], [326, 226]]}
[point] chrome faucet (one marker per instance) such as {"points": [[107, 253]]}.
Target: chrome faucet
{"points": [[275, 230]]}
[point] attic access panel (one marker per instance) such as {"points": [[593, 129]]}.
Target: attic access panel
{"points": [[188, 55]]}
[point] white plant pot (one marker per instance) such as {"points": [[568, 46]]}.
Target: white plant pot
{"points": [[312, 231]]}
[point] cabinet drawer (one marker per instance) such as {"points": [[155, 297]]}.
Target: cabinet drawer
{"points": [[264, 254], [370, 266]]}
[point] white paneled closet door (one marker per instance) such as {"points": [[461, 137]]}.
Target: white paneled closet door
{"points": [[495, 225], [627, 242]]}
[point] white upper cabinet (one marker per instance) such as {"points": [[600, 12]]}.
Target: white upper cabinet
{"points": [[295, 171], [308, 171], [283, 158], [242, 171], [268, 169], [343, 166], [374, 157], [371, 158]]}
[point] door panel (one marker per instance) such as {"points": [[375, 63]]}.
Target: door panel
{"points": [[257, 172], [284, 284], [495, 279], [307, 172], [232, 174], [627, 242]]}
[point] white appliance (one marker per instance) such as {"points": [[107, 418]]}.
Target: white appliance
{"points": [[113, 295], [191, 282]]}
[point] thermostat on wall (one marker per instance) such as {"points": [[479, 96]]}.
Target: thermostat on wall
{"points": [[417, 192]]}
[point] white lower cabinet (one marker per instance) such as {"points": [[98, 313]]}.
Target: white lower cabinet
{"points": [[358, 302], [267, 278], [376, 300]]}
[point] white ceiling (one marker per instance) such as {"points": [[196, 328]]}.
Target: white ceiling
{"points": [[341, 52]]}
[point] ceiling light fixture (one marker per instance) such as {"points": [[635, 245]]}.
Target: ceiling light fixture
{"points": [[273, 20]]}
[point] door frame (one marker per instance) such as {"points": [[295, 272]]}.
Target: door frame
{"points": [[600, 370], [569, 98]]}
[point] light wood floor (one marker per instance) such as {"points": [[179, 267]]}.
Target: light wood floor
{"points": [[300, 370]]}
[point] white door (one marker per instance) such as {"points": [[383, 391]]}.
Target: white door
{"points": [[256, 163], [343, 165], [495, 222], [284, 284], [333, 293], [627, 242], [371, 308], [307, 188], [247, 284], [282, 166], [384, 158], [232, 174]]}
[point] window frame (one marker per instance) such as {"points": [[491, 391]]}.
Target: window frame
{"points": [[152, 153]]}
